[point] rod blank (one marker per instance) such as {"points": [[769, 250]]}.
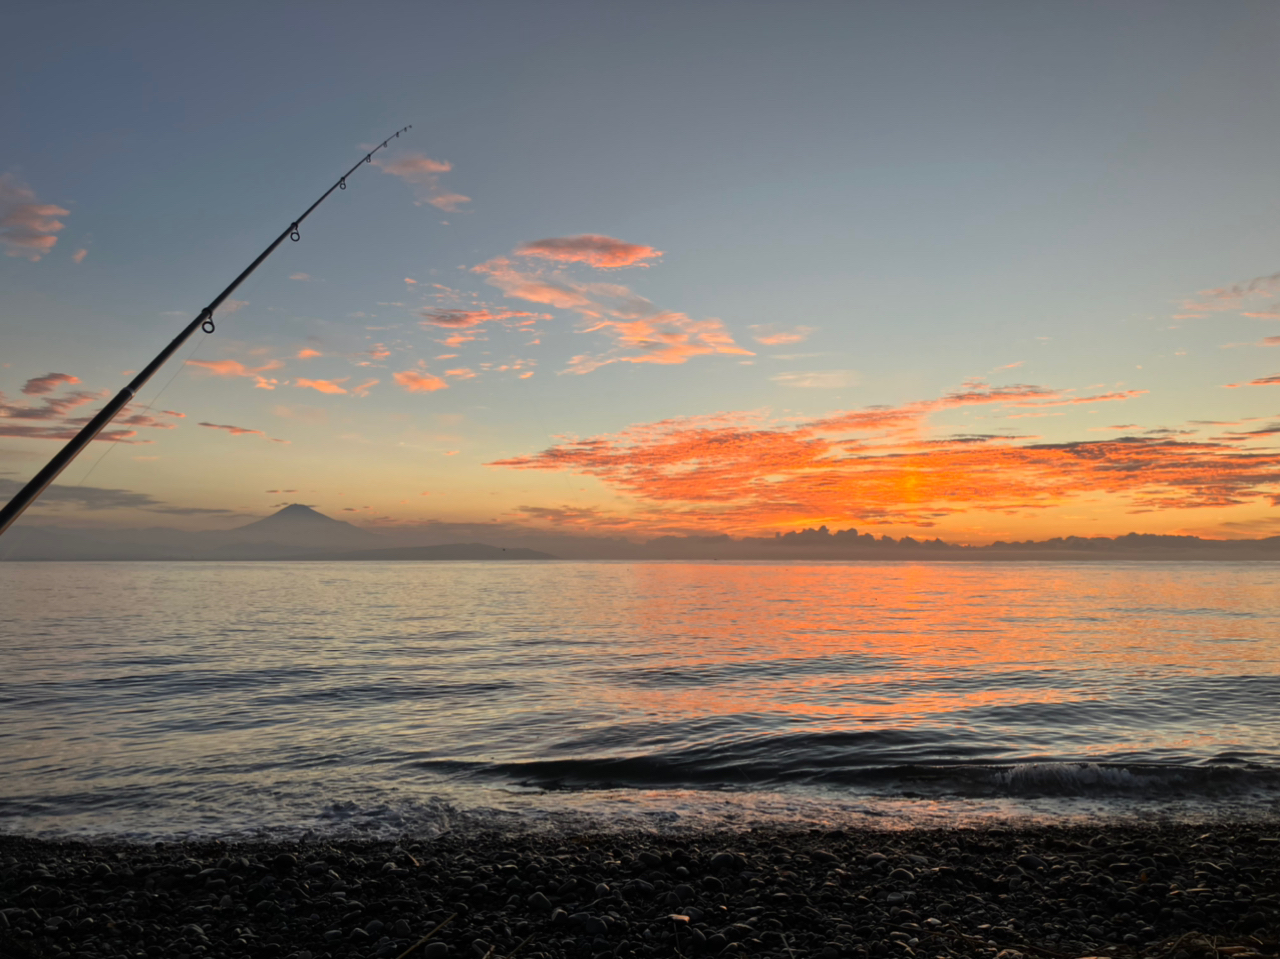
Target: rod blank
{"points": [[29, 493]]}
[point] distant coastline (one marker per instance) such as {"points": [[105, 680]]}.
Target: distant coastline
{"points": [[298, 532]]}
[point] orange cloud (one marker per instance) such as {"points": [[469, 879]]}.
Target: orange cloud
{"points": [[768, 334], [462, 374], [602, 252], [235, 368], [324, 386], [416, 382], [456, 340], [880, 465], [459, 319], [78, 256], [307, 354], [27, 228], [1102, 398], [364, 388], [424, 173]]}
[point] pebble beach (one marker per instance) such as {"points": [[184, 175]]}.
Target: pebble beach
{"points": [[1168, 890]]}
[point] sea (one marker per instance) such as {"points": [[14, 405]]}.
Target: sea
{"points": [[238, 700]]}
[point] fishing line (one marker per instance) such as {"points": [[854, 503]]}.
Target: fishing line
{"points": [[204, 320], [146, 409]]}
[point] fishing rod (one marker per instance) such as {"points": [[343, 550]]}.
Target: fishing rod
{"points": [[28, 494]]}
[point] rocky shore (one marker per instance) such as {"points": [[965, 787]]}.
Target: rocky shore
{"points": [[1160, 890]]}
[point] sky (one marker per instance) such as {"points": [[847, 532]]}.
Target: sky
{"points": [[968, 270]]}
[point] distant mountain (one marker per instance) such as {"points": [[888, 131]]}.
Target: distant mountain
{"points": [[452, 551], [297, 526], [295, 532]]}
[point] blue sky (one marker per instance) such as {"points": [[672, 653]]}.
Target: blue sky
{"points": [[969, 216]]}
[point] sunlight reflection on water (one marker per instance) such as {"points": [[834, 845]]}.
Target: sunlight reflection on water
{"points": [[166, 693]]}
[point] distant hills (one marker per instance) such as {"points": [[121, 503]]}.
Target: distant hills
{"points": [[295, 532], [451, 551], [299, 532]]}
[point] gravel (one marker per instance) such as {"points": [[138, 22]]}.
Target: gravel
{"points": [[1174, 891]]}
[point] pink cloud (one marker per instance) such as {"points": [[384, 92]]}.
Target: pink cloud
{"points": [[50, 408], [602, 252], [1271, 341], [769, 334], [323, 386], [79, 255], [416, 382], [364, 388], [460, 319], [424, 173], [27, 228], [461, 374], [1264, 315], [308, 354], [39, 385], [1261, 381]]}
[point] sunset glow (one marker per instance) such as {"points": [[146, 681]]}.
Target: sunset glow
{"points": [[910, 275]]}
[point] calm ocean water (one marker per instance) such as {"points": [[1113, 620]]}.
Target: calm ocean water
{"points": [[159, 700]]}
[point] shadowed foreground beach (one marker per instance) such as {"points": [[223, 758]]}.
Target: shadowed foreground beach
{"points": [[1121, 890]]}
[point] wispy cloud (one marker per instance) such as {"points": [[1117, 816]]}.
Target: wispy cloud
{"points": [[817, 379], [770, 334], [1261, 381], [424, 173], [97, 497], [233, 430], [28, 228], [641, 332], [602, 252], [1234, 297], [460, 319], [78, 256], [241, 431]]}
